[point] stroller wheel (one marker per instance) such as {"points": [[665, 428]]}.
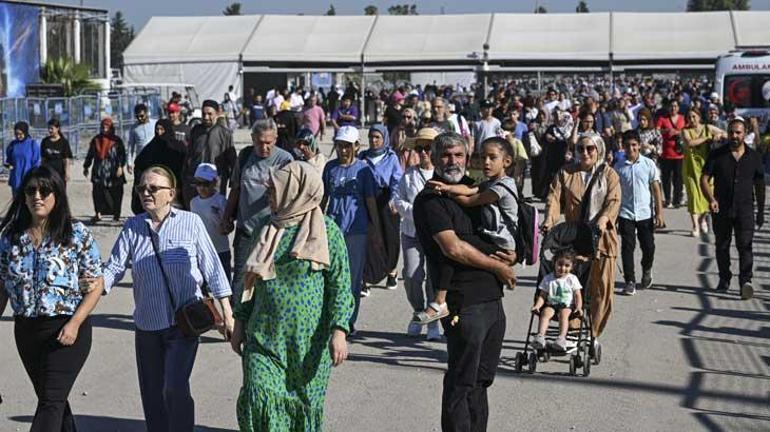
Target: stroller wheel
{"points": [[519, 361], [573, 365], [587, 362], [597, 353], [532, 362], [546, 356]]}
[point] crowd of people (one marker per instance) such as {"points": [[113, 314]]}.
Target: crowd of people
{"points": [[440, 183]]}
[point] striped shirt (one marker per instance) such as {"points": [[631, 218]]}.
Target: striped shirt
{"points": [[188, 257]]}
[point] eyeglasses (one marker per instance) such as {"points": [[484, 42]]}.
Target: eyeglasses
{"points": [[31, 191], [589, 149], [151, 189], [200, 183], [422, 149]]}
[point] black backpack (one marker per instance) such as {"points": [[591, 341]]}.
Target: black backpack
{"points": [[527, 233]]}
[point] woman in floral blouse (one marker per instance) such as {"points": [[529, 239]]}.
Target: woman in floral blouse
{"points": [[51, 272]]}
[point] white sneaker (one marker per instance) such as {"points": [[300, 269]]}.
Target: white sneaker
{"points": [[414, 329], [434, 331], [630, 288]]}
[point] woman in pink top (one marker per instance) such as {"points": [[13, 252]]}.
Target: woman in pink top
{"points": [[670, 160]]}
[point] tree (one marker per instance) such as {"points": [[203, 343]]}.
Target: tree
{"points": [[717, 5], [371, 10], [331, 10], [75, 78], [582, 7], [121, 35], [541, 10], [404, 9], [233, 9]]}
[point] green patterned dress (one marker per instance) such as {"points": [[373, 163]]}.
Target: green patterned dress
{"points": [[288, 325]]}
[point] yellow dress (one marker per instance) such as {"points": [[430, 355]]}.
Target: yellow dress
{"points": [[692, 168]]}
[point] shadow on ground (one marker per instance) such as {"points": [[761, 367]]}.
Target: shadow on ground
{"points": [[89, 423]]}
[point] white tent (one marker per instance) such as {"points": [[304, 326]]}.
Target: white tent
{"points": [[751, 29], [442, 39], [308, 39], [550, 37], [672, 37], [204, 51]]}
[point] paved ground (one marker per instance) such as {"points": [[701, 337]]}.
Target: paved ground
{"points": [[677, 357]]}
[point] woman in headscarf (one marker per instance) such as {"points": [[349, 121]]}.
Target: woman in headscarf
{"points": [[651, 140], [108, 155], [387, 170], [306, 149], [164, 150], [600, 209], [22, 154], [293, 316]]}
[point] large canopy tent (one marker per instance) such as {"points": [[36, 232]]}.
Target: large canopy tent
{"points": [[214, 52]]}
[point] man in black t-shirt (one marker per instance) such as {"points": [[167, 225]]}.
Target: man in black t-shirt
{"points": [[478, 270], [739, 178]]}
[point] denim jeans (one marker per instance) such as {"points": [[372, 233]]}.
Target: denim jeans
{"points": [[414, 274], [164, 362]]}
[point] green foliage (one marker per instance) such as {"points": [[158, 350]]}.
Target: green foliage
{"points": [[717, 5], [121, 35], [541, 10], [233, 9], [331, 10], [404, 9], [371, 10], [582, 7], [75, 78]]}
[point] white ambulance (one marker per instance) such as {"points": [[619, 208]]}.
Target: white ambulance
{"points": [[743, 80]]}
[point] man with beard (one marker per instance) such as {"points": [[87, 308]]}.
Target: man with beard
{"points": [[738, 178], [210, 143], [476, 323], [181, 129]]}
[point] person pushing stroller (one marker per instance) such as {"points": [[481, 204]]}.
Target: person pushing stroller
{"points": [[558, 294]]}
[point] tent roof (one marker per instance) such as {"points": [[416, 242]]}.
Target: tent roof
{"points": [[191, 39], [421, 38], [550, 37], [671, 36], [751, 29], [309, 39]]}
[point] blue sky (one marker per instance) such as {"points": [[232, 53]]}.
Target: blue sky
{"points": [[139, 11]]}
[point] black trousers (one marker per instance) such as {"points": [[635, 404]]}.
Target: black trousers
{"points": [[743, 227], [474, 346], [52, 368], [671, 172], [630, 230]]}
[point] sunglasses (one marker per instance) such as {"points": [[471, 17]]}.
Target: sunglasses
{"points": [[31, 191], [422, 149], [202, 183], [589, 149], [151, 189]]}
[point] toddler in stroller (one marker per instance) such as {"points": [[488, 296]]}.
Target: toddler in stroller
{"points": [[558, 294]]}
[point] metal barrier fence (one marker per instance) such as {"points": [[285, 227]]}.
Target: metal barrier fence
{"points": [[80, 116]]}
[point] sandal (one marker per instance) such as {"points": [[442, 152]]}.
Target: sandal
{"points": [[423, 317]]}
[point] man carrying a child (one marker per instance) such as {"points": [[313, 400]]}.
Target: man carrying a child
{"points": [[476, 324]]}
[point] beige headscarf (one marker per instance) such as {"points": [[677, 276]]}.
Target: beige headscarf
{"points": [[600, 189], [298, 193]]}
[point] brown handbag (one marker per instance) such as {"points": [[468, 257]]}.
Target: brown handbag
{"points": [[194, 318]]}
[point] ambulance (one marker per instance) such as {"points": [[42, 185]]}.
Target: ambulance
{"points": [[743, 80]]}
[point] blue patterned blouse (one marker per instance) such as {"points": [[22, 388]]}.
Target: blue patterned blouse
{"points": [[43, 281]]}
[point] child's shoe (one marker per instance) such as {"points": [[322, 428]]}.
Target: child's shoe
{"points": [[538, 342]]}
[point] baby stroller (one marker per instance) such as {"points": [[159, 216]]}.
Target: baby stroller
{"points": [[582, 239]]}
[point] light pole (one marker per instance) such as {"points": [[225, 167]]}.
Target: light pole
{"points": [[485, 69]]}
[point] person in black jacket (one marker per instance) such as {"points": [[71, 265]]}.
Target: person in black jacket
{"points": [[164, 150]]}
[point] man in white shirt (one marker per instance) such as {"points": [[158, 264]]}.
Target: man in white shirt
{"points": [[296, 100], [489, 126]]}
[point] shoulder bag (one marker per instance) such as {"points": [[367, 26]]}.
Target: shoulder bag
{"points": [[194, 318]]}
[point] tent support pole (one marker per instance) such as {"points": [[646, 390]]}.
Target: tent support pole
{"points": [[362, 102]]}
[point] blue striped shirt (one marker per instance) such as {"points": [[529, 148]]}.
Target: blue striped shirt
{"points": [[188, 257]]}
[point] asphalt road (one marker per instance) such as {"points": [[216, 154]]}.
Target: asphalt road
{"points": [[676, 357]]}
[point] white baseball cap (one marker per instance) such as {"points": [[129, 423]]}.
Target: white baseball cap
{"points": [[206, 171], [347, 134]]}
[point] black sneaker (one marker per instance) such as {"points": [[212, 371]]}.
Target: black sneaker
{"points": [[392, 283], [723, 285], [365, 291], [646, 279], [747, 291]]}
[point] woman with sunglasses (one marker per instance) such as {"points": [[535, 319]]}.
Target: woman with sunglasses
{"points": [[171, 258], [108, 155], [599, 208], [414, 272], [52, 274]]}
